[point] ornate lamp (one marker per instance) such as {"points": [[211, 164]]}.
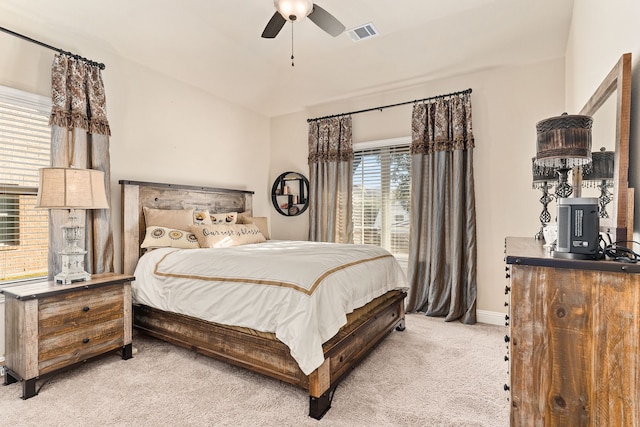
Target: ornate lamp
{"points": [[543, 178], [564, 142], [68, 188], [599, 174]]}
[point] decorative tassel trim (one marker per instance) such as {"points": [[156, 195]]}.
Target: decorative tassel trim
{"points": [[419, 147], [74, 120], [99, 127], [330, 157]]}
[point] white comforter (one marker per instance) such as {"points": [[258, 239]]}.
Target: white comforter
{"points": [[301, 291]]}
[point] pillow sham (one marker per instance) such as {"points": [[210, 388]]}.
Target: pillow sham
{"points": [[176, 219], [163, 237], [260, 221], [224, 218], [220, 235]]}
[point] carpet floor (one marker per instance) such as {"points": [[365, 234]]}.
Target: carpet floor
{"points": [[432, 374]]}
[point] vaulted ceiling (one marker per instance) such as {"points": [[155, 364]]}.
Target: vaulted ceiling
{"points": [[215, 45]]}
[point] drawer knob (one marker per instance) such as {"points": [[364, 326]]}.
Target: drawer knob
{"points": [[85, 309], [85, 341]]}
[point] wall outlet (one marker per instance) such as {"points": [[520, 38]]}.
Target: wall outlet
{"points": [[1, 371]]}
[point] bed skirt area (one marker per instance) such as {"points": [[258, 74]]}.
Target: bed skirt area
{"points": [[263, 353]]}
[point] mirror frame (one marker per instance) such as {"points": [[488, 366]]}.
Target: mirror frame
{"points": [[619, 81]]}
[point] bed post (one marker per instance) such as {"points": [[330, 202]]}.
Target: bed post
{"points": [[130, 240], [319, 390]]}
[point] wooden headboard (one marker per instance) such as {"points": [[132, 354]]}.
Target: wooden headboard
{"points": [[136, 195]]}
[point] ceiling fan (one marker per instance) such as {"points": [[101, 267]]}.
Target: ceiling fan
{"points": [[297, 10]]}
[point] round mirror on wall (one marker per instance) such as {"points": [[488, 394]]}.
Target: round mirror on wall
{"points": [[290, 194]]}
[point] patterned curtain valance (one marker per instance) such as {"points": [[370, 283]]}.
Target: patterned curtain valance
{"points": [[330, 140], [442, 124], [78, 96]]}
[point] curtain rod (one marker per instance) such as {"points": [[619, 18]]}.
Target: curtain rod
{"points": [[389, 106], [29, 39]]}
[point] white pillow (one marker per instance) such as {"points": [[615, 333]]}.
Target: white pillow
{"points": [[224, 218], [163, 237], [201, 217]]}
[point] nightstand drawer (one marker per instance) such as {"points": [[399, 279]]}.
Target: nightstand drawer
{"points": [[79, 344], [71, 311]]}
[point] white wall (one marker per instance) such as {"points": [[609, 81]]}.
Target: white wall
{"points": [[162, 130], [507, 102], [600, 33]]}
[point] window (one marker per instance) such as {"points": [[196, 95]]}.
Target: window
{"points": [[381, 195], [24, 148]]}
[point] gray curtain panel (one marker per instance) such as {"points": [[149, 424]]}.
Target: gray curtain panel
{"points": [[330, 181], [80, 138], [442, 248]]}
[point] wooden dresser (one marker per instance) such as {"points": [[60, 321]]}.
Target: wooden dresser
{"points": [[50, 326], [574, 339]]}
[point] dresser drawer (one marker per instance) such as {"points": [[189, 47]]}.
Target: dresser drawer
{"points": [[60, 350], [78, 325], [71, 311]]}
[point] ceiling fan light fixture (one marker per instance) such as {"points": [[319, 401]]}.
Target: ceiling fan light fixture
{"points": [[294, 10]]}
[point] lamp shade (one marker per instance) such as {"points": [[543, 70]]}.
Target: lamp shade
{"points": [[601, 166], [564, 141], [69, 188], [542, 173]]}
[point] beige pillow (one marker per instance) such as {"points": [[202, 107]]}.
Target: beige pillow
{"points": [[224, 218], [162, 237], [220, 235], [260, 221], [176, 219]]}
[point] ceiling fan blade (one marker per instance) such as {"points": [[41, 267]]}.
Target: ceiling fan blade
{"points": [[326, 21], [274, 26]]}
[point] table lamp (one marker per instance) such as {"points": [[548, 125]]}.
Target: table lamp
{"points": [[599, 174], [564, 142], [71, 188], [543, 178]]}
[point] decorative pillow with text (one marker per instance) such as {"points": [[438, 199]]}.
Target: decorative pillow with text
{"points": [[219, 235]]}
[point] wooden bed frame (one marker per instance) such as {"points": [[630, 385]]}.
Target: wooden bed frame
{"points": [[253, 350]]}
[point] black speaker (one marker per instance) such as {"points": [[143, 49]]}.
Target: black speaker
{"points": [[578, 228]]}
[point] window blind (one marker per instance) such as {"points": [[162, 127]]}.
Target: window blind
{"points": [[24, 148], [381, 197]]}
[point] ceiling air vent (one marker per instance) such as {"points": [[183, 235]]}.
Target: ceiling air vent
{"points": [[363, 32]]}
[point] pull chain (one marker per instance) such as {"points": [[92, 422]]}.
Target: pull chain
{"points": [[292, 64]]}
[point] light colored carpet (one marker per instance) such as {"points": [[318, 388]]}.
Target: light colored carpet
{"points": [[432, 374]]}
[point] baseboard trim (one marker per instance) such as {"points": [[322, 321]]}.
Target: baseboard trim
{"points": [[490, 317]]}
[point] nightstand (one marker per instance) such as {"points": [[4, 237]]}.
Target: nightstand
{"points": [[49, 326]]}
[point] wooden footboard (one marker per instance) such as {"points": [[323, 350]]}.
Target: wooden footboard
{"points": [[266, 355]]}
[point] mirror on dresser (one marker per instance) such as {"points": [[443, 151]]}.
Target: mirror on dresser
{"points": [[610, 107]]}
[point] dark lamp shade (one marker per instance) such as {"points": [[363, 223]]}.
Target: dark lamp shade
{"points": [[564, 141], [542, 173], [601, 166]]}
